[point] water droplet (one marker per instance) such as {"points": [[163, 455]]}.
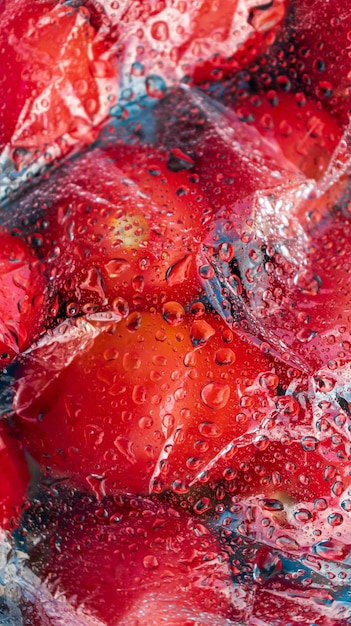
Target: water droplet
{"points": [[224, 356], [307, 282], [226, 252], [331, 550], [134, 321], [210, 430], [159, 31], [138, 283], [139, 394], [320, 504], [150, 562], [180, 271], [330, 473], [146, 422], [173, 313], [309, 443], [121, 307], [215, 395], [131, 361], [202, 506], [335, 519], [268, 380], [200, 332], [115, 267], [206, 272], [271, 504], [287, 543], [303, 516], [155, 86]]}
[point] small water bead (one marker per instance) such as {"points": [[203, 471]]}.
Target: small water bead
{"points": [[271, 504], [269, 380], [320, 504], [206, 272], [159, 31], [138, 283], [287, 543], [121, 307], [335, 519], [131, 361], [200, 332], [226, 252], [202, 506], [309, 443], [197, 310], [155, 86], [303, 515], [225, 356], [330, 473], [134, 321], [332, 550], [210, 430]]}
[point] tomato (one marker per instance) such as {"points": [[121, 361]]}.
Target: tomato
{"points": [[305, 132], [113, 233], [23, 296], [130, 559], [319, 64], [14, 479], [255, 29], [139, 405], [58, 79]]}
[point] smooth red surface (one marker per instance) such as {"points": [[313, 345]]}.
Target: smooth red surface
{"points": [[145, 405]]}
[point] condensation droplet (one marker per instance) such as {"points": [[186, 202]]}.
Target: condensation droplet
{"points": [[215, 395], [173, 313]]}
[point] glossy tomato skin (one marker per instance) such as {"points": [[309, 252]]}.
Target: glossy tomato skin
{"points": [[112, 232], [144, 401], [23, 296], [119, 558]]}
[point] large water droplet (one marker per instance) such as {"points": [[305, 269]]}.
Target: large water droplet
{"points": [[215, 395]]}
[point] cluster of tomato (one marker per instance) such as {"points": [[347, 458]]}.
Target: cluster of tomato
{"points": [[175, 305]]}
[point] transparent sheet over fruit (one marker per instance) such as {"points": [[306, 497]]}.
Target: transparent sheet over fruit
{"points": [[283, 553]]}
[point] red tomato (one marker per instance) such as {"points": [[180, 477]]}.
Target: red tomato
{"points": [[58, 80], [316, 44], [118, 237], [14, 479], [23, 297], [132, 560], [305, 132], [255, 26], [139, 405]]}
